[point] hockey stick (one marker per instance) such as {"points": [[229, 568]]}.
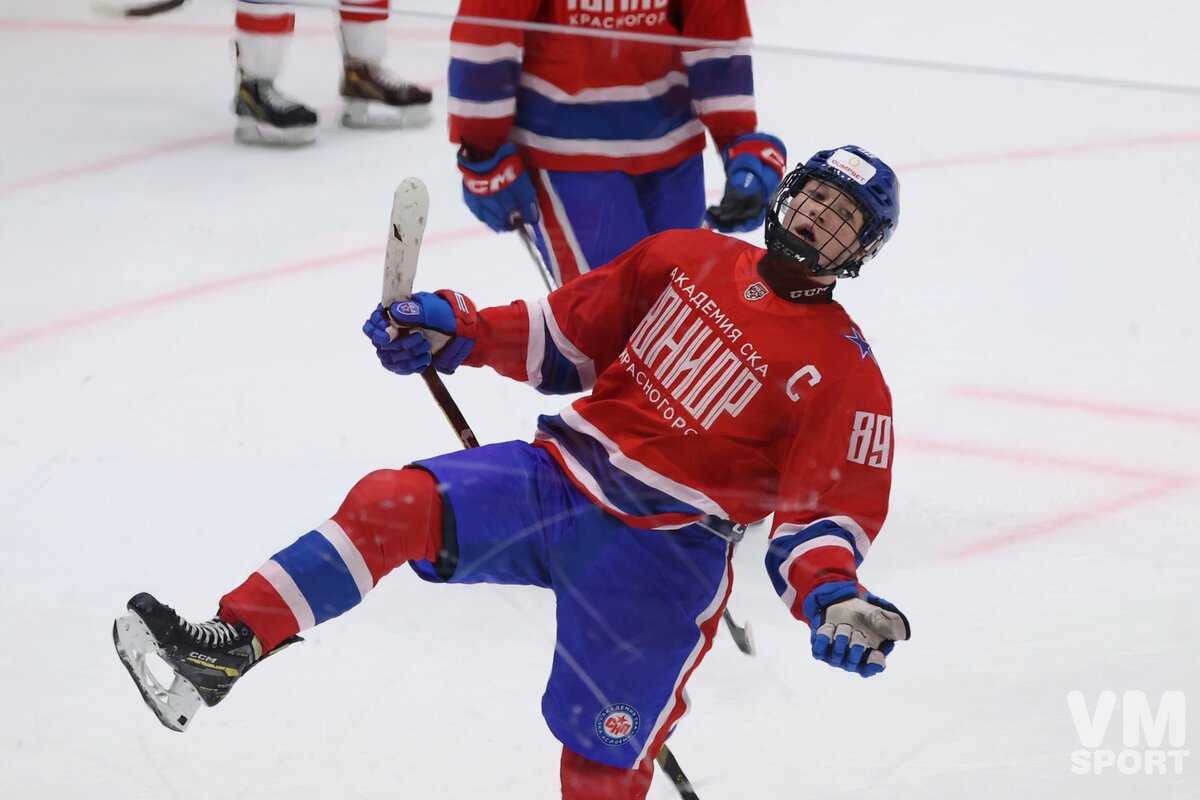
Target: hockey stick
{"points": [[410, 210], [743, 636], [145, 10], [534, 255], [668, 764]]}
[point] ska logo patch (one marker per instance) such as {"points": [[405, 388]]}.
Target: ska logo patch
{"points": [[617, 724], [408, 308], [756, 291]]}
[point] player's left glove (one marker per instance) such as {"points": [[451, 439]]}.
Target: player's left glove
{"points": [[754, 165], [434, 329], [853, 630], [496, 189]]}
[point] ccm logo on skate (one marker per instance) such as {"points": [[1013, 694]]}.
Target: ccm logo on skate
{"points": [[617, 724]]}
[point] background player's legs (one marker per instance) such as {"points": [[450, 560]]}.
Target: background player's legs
{"points": [[374, 96], [673, 198], [266, 115], [588, 219]]}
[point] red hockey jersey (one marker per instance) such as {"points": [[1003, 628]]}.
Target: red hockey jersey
{"points": [[607, 102], [709, 395]]}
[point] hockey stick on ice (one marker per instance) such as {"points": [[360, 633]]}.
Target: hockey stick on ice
{"points": [[144, 10], [410, 210], [668, 764], [743, 636]]}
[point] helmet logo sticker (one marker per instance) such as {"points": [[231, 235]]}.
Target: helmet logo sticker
{"points": [[853, 165]]}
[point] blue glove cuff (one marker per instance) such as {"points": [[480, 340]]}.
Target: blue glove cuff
{"points": [[487, 165]]}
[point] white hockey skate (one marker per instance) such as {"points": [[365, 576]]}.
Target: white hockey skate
{"points": [[268, 116], [374, 98]]}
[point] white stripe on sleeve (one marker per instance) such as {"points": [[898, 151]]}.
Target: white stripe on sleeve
{"points": [[537, 343], [496, 109], [584, 365], [789, 596], [713, 105], [486, 53]]}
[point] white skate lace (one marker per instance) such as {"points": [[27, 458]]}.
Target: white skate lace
{"points": [[213, 633], [386, 78], [275, 98]]}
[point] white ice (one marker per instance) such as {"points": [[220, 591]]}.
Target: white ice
{"points": [[184, 389]]}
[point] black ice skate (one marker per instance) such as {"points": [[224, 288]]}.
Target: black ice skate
{"points": [[268, 116], [207, 658], [375, 98]]}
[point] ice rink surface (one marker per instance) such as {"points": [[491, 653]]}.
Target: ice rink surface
{"points": [[184, 389]]}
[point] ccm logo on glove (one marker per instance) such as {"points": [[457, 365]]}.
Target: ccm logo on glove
{"points": [[505, 175]]}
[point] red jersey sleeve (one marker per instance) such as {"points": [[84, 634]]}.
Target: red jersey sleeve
{"points": [[834, 489], [720, 78], [485, 71]]}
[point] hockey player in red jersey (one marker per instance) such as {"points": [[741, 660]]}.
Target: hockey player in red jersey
{"points": [[724, 384], [596, 140], [372, 96]]}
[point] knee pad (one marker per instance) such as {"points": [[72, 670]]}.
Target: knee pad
{"points": [[393, 516]]}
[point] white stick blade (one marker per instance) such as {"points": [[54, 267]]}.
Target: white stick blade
{"points": [[410, 211]]}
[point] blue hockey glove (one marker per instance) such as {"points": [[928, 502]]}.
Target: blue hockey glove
{"points": [[430, 333], [854, 631], [497, 189], [754, 165]]}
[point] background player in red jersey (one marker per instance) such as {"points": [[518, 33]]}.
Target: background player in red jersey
{"points": [[725, 385], [596, 141], [373, 96]]}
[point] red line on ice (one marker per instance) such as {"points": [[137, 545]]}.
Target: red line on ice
{"points": [[1067, 519], [1036, 459], [114, 162], [87, 319], [1167, 139], [1027, 398], [1160, 485]]}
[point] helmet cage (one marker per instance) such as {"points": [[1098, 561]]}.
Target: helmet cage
{"points": [[870, 201]]}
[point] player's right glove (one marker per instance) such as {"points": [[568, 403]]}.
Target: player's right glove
{"points": [[754, 165], [432, 330], [854, 630], [497, 189]]}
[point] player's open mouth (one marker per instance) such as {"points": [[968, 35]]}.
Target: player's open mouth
{"points": [[806, 232]]}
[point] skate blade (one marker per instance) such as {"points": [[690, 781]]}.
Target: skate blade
{"points": [[251, 131], [371, 114], [174, 705]]}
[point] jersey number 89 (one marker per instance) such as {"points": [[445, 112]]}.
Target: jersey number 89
{"points": [[871, 440]]}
